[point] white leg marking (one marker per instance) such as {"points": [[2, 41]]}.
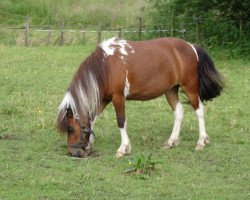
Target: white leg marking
{"points": [[125, 147], [174, 137], [203, 138]]}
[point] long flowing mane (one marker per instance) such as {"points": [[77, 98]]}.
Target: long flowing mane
{"points": [[86, 90]]}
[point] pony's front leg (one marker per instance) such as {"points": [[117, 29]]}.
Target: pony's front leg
{"points": [[119, 105]]}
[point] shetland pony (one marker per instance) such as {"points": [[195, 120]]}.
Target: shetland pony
{"points": [[120, 70]]}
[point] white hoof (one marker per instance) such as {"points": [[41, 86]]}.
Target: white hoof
{"points": [[201, 144], [199, 147], [123, 150], [171, 143], [119, 154]]}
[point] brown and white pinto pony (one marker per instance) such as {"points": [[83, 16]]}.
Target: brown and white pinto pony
{"points": [[120, 70]]}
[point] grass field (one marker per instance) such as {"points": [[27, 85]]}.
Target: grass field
{"points": [[33, 160]]}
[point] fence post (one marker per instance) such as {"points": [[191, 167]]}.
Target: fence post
{"points": [[99, 32], [119, 33], [62, 33], [83, 37], [27, 25], [49, 35], [139, 27]]}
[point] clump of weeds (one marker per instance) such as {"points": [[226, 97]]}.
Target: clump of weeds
{"points": [[142, 165]]}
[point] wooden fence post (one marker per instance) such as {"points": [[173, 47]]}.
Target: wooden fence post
{"points": [[99, 32], [62, 33], [83, 37], [49, 36], [139, 27], [27, 26], [119, 32]]}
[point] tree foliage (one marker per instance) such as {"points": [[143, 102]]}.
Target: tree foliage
{"points": [[233, 9], [222, 21]]}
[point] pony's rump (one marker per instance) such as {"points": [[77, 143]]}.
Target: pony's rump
{"points": [[209, 79]]}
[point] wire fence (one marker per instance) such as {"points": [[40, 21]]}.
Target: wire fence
{"points": [[67, 31]]}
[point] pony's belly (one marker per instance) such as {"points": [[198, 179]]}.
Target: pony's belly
{"points": [[144, 96], [150, 89]]}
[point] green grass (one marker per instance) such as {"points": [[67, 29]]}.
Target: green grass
{"points": [[33, 160]]}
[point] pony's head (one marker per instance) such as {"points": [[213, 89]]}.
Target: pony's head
{"points": [[81, 103], [77, 127]]}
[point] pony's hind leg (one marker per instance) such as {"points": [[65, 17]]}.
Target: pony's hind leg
{"points": [[173, 100], [203, 137], [119, 105], [199, 110]]}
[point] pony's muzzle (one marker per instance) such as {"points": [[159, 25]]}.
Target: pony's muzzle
{"points": [[78, 152]]}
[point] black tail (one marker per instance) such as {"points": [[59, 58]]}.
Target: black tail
{"points": [[210, 80]]}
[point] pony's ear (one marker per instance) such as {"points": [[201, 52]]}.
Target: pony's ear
{"points": [[69, 112]]}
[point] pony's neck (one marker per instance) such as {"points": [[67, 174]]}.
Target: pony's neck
{"points": [[89, 84]]}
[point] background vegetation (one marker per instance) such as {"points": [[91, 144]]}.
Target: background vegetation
{"points": [[213, 23]]}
